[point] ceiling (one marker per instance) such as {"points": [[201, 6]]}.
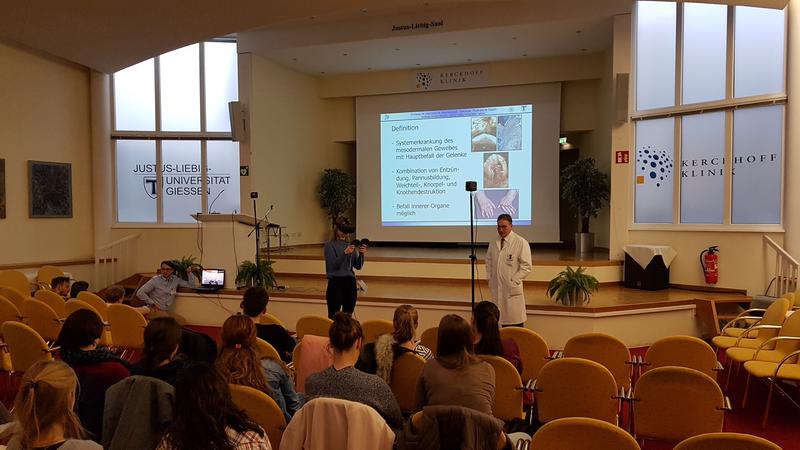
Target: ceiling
{"points": [[316, 36]]}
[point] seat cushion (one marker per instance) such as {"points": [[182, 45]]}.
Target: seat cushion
{"points": [[740, 354], [728, 342], [763, 369]]}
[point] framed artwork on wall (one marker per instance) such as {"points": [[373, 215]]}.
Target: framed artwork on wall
{"points": [[49, 189], [2, 188]]}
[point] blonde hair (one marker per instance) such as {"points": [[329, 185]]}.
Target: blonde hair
{"points": [[238, 360], [46, 397], [405, 323]]}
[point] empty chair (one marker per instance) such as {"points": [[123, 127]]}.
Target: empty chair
{"points": [[46, 274], [53, 300], [268, 318], [759, 332], [329, 423], [726, 441], [406, 370], [576, 387], [262, 409], [606, 350], [99, 305], [25, 345], [8, 311], [16, 280], [127, 327], [674, 403], [787, 369], [508, 393], [13, 296], [581, 433], [682, 351], [265, 350], [429, 338], [315, 325], [532, 349], [374, 328], [42, 318]]}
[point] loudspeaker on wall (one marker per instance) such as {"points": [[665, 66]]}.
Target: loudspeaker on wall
{"points": [[239, 121], [621, 98]]}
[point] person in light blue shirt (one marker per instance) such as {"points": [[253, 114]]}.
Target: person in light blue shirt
{"points": [[341, 257], [159, 293], [281, 388]]}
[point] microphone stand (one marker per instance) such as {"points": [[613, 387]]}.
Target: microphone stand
{"points": [[257, 230], [472, 257]]}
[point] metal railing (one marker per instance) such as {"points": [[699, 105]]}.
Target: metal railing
{"points": [[786, 269], [114, 261]]}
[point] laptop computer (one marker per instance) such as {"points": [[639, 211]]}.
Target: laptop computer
{"points": [[211, 280]]}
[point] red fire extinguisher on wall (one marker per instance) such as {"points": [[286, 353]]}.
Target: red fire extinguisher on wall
{"points": [[708, 261]]}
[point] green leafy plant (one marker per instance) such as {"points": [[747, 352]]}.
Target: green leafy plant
{"points": [[572, 287], [336, 193], [249, 274], [586, 188], [182, 265]]}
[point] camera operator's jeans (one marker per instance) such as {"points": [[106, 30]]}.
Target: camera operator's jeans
{"points": [[341, 295]]}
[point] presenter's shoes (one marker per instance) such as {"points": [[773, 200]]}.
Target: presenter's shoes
{"points": [[361, 285]]}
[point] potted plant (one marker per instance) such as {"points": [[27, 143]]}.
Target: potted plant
{"points": [[336, 192], [572, 287], [182, 265], [587, 190], [249, 274]]}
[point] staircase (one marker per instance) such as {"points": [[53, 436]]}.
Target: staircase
{"points": [[786, 270]]}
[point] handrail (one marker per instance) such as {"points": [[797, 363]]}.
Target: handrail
{"points": [[114, 261], [118, 241], [787, 269]]}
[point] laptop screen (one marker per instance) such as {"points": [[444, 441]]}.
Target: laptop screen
{"points": [[213, 278]]}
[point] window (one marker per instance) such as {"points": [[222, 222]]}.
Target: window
{"points": [[717, 123], [172, 140]]}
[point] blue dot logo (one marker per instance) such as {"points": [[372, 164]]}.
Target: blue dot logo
{"points": [[655, 164]]}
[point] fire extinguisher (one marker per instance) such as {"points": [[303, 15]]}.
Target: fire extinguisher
{"points": [[708, 261]]}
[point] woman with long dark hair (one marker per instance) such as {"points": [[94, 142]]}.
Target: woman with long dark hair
{"points": [[456, 376], [205, 416], [160, 358], [238, 362], [96, 367], [486, 326]]}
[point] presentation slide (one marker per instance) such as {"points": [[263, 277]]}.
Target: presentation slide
{"points": [[426, 157]]}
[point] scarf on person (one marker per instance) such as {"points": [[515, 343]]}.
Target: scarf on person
{"points": [[77, 357]]}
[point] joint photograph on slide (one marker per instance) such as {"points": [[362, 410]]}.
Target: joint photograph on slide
{"points": [[427, 156]]}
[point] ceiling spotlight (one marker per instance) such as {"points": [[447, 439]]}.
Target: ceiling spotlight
{"points": [[469, 59], [323, 73], [344, 54], [397, 49], [417, 64], [313, 17], [583, 49], [369, 68], [524, 54], [363, 10], [294, 59], [454, 43], [578, 31], [513, 38]]}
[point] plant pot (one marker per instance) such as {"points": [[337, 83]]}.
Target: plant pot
{"points": [[584, 243]]}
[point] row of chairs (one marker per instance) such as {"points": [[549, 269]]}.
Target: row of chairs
{"points": [[18, 281], [768, 347]]}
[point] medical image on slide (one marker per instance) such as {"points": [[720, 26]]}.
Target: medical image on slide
{"points": [[509, 132], [490, 204], [484, 134], [495, 170]]}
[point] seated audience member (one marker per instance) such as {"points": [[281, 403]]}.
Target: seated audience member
{"points": [[159, 292], [206, 418], [238, 362], [160, 358], [254, 304], [378, 357], [77, 288], [486, 326], [342, 380], [114, 294], [60, 285], [43, 410], [456, 376], [96, 366]]}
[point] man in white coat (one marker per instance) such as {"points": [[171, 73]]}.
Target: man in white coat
{"points": [[508, 262]]}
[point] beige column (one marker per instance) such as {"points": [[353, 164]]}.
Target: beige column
{"points": [[791, 187], [621, 185], [102, 167]]}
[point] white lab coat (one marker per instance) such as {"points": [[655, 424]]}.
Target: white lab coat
{"points": [[505, 270]]}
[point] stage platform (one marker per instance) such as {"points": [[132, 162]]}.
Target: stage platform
{"points": [[437, 281]]}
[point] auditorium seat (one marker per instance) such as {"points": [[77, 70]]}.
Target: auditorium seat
{"points": [[430, 339], [25, 345], [16, 280], [682, 351], [406, 371], [75, 304], [674, 403], [581, 433], [100, 306], [374, 328], [265, 350], [316, 325], [532, 349], [726, 441], [53, 300], [787, 369], [576, 387], [42, 318], [8, 311], [45, 275], [13, 296], [267, 319], [262, 409], [127, 327], [508, 394], [606, 350]]}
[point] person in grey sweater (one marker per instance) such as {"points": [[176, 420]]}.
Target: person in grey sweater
{"points": [[343, 381], [341, 257]]}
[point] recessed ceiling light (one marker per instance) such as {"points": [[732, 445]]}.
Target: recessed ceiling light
{"points": [[469, 59], [578, 31], [583, 49], [369, 68], [397, 49], [313, 17], [323, 73], [344, 54], [513, 38], [363, 10], [454, 43], [417, 64], [294, 59], [524, 54]]}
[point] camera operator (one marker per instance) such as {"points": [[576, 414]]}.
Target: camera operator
{"points": [[341, 257]]}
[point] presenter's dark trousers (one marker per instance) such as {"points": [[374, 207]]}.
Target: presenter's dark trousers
{"points": [[341, 295]]}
